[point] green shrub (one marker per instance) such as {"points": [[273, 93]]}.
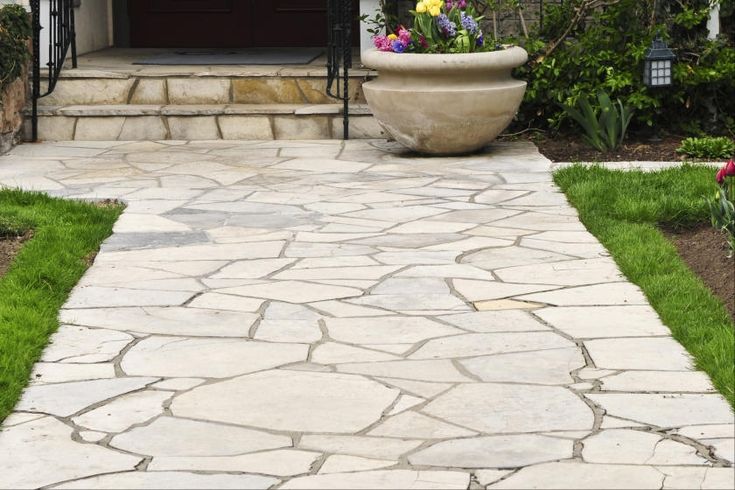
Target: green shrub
{"points": [[604, 122], [707, 147], [15, 30], [582, 49]]}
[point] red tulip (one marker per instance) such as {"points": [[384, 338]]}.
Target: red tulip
{"points": [[730, 168], [720, 176]]}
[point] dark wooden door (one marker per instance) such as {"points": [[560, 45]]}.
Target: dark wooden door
{"points": [[227, 23], [290, 23]]}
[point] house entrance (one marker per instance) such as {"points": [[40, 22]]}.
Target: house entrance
{"points": [[227, 23]]}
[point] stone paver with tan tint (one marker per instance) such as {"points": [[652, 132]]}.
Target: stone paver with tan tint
{"points": [[320, 314]]}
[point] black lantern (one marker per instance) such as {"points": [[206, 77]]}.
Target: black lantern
{"points": [[658, 65]]}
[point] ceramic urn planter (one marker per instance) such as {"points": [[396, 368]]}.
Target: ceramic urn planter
{"points": [[445, 104]]}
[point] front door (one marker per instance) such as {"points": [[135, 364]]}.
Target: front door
{"points": [[227, 23]]}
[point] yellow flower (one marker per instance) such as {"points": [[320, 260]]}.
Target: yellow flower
{"points": [[435, 11], [392, 37], [421, 7]]}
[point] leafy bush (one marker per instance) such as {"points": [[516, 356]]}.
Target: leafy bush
{"points": [[605, 123], [15, 30], [591, 45], [707, 147]]}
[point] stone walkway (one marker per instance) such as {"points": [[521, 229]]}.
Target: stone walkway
{"points": [[328, 315]]}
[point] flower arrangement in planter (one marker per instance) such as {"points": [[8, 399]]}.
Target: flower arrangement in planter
{"points": [[442, 88], [722, 207], [439, 27]]}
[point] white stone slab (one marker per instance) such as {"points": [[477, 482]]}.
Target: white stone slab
{"points": [[290, 401], [174, 437], [384, 479], [65, 399], [163, 355], [41, 453]]}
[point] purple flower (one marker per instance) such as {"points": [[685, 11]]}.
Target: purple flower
{"points": [[469, 23], [398, 46], [448, 4], [481, 39], [446, 26], [462, 4]]}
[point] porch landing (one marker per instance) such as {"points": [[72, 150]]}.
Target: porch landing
{"points": [[320, 314], [109, 98]]}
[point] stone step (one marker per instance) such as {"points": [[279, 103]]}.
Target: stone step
{"points": [[151, 122], [172, 86]]}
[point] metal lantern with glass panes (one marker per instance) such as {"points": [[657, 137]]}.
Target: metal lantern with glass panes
{"points": [[658, 65]]}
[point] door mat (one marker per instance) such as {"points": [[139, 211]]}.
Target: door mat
{"points": [[250, 56]]}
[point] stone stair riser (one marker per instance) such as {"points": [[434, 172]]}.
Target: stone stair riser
{"points": [[54, 127], [196, 90]]}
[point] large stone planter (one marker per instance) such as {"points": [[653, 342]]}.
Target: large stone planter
{"points": [[445, 104]]}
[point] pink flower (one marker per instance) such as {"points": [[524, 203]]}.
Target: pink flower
{"points": [[383, 43], [730, 168], [720, 177], [404, 35]]}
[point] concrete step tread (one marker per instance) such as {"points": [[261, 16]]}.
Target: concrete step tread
{"points": [[234, 71], [133, 110]]}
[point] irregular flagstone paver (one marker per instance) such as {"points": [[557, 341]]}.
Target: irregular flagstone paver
{"points": [[553, 367], [124, 412], [391, 479], [495, 321], [290, 401], [164, 355], [65, 399], [503, 408], [165, 321], [666, 410], [384, 330], [412, 424], [575, 475], [41, 452], [172, 480], [334, 314], [169, 436], [368, 447], [478, 344], [281, 462], [664, 381], [348, 464], [622, 446], [494, 452], [57, 372], [604, 321], [655, 353], [85, 345]]}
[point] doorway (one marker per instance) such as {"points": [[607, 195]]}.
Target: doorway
{"points": [[227, 23]]}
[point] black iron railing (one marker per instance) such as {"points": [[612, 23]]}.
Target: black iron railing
{"points": [[62, 39], [339, 56]]}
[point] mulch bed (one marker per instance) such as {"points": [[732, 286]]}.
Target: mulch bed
{"points": [[705, 251], [560, 148], [9, 248]]}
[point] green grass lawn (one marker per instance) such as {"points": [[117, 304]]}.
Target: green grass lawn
{"points": [[66, 234], [623, 210]]}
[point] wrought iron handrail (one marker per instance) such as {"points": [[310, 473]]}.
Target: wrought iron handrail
{"points": [[62, 38], [339, 56]]}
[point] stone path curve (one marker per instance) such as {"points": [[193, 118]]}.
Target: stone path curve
{"points": [[319, 314]]}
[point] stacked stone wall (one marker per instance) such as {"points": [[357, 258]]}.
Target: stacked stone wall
{"points": [[13, 99]]}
